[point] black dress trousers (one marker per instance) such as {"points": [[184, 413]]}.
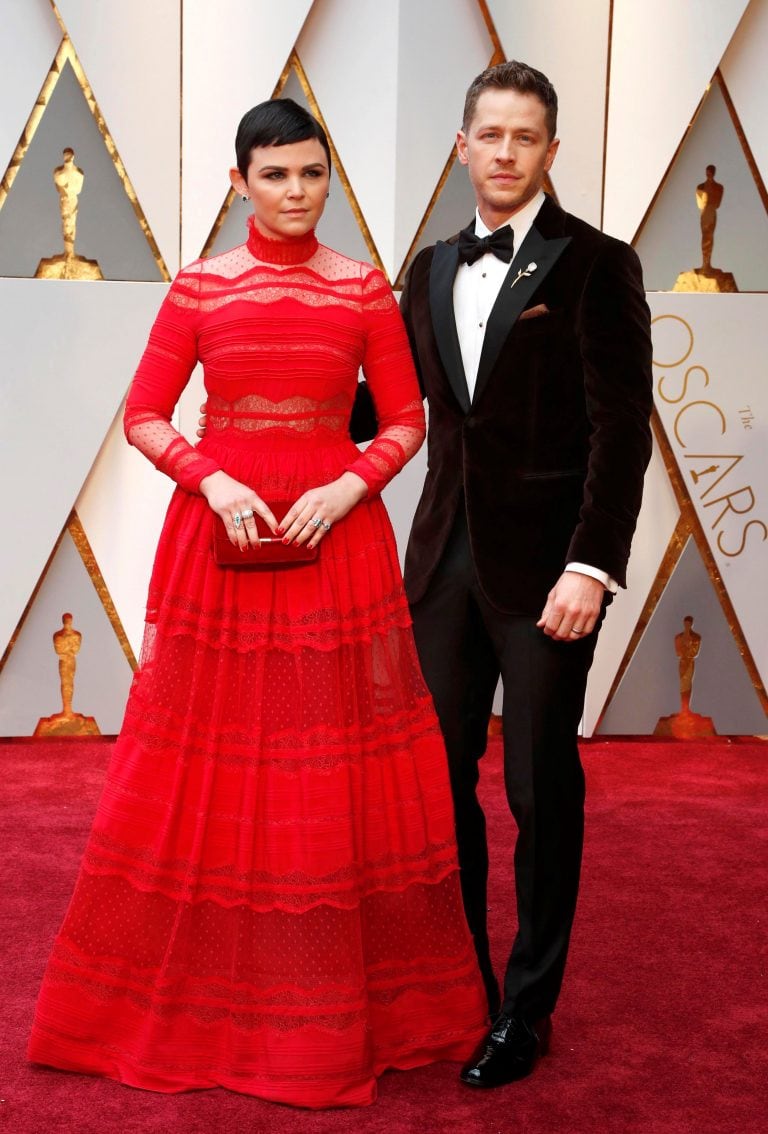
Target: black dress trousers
{"points": [[464, 644]]}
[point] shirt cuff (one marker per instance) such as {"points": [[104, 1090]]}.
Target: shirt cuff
{"points": [[594, 573]]}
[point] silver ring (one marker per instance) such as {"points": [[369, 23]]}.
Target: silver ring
{"points": [[247, 513], [326, 525], [575, 631], [237, 520], [317, 522]]}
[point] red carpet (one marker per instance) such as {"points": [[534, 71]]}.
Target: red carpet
{"points": [[662, 1027]]}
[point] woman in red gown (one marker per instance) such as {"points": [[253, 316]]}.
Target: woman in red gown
{"points": [[269, 900]]}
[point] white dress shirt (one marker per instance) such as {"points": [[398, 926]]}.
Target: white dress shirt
{"points": [[477, 285], [475, 290]]}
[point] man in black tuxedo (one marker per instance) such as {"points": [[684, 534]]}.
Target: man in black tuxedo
{"points": [[531, 336]]}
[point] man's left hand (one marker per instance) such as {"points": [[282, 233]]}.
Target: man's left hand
{"points": [[572, 608]]}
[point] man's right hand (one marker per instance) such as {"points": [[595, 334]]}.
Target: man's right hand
{"points": [[572, 608], [202, 420]]}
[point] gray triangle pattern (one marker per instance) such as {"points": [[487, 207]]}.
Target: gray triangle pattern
{"points": [[108, 229], [650, 688], [338, 227], [29, 682]]}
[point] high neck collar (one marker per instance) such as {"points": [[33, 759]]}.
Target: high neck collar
{"points": [[292, 251]]}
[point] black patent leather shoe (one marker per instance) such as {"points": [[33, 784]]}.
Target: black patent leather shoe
{"points": [[509, 1052]]}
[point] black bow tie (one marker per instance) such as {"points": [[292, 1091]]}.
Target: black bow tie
{"points": [[472, 247]]}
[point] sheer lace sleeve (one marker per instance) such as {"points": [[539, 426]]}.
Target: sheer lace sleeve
{"points": [[168, 360], [389, 370]]}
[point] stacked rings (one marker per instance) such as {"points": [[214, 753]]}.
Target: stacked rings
{"points": [[238, 517]]}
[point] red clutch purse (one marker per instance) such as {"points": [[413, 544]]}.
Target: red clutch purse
{"points": [[270, 553]]}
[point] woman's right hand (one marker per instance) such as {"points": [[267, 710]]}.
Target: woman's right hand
{"points": [[230, 499]]}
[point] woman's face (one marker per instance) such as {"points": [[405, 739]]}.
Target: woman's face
{"points": [[287, 186]]}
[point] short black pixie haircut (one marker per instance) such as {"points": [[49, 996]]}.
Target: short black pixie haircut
{"points": [[277, 122]]}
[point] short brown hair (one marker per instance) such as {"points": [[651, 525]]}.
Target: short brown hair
{"points": [[513, 76]]}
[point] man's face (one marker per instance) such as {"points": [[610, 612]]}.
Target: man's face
{"points": [[507, 151]]}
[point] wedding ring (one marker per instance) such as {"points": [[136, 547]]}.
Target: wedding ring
{"points": [[247, 513], [317, 522], [575, 631], [237, 520], [326, 525]]}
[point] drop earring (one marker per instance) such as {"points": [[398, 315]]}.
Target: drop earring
{"points": [[245, 198]]}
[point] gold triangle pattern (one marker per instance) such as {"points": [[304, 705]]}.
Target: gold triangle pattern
{"points": [[747, 149], [498, 56], [425, 219], [294, 65], [688, 511], [748, 155], [74, 527], [688, 525], [67, 54], [498, 51]]}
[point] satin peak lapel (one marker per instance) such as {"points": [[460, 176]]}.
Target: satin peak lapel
{"points": [[445, 263], [513, 296]]}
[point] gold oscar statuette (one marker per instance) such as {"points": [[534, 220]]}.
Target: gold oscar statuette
{"points": [[67, 265], [66, 643], [709, 198], [686, 725]]}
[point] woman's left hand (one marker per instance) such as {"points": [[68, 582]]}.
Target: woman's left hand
{"points": [[310, 519]]}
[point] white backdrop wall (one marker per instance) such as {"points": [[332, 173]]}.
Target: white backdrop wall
{"points": [[149, 93]]}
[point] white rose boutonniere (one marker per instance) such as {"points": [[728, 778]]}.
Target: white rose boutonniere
{"points": [[524, 272]]}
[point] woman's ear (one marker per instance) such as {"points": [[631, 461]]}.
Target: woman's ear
{"points": [[238, 182]]}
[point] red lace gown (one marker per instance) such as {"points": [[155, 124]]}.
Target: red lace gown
{"points": [[269, 900]]}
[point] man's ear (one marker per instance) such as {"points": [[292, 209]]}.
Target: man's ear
{"points": [[238, 182], [552, 149], [461, 147]]}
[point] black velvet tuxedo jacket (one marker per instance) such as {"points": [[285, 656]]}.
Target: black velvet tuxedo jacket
{"points": [[549, 456]]}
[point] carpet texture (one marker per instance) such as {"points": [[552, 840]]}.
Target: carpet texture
{"points": [[662, 1027]]}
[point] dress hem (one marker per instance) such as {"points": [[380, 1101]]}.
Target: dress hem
{"points": [[363, 1093]]}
